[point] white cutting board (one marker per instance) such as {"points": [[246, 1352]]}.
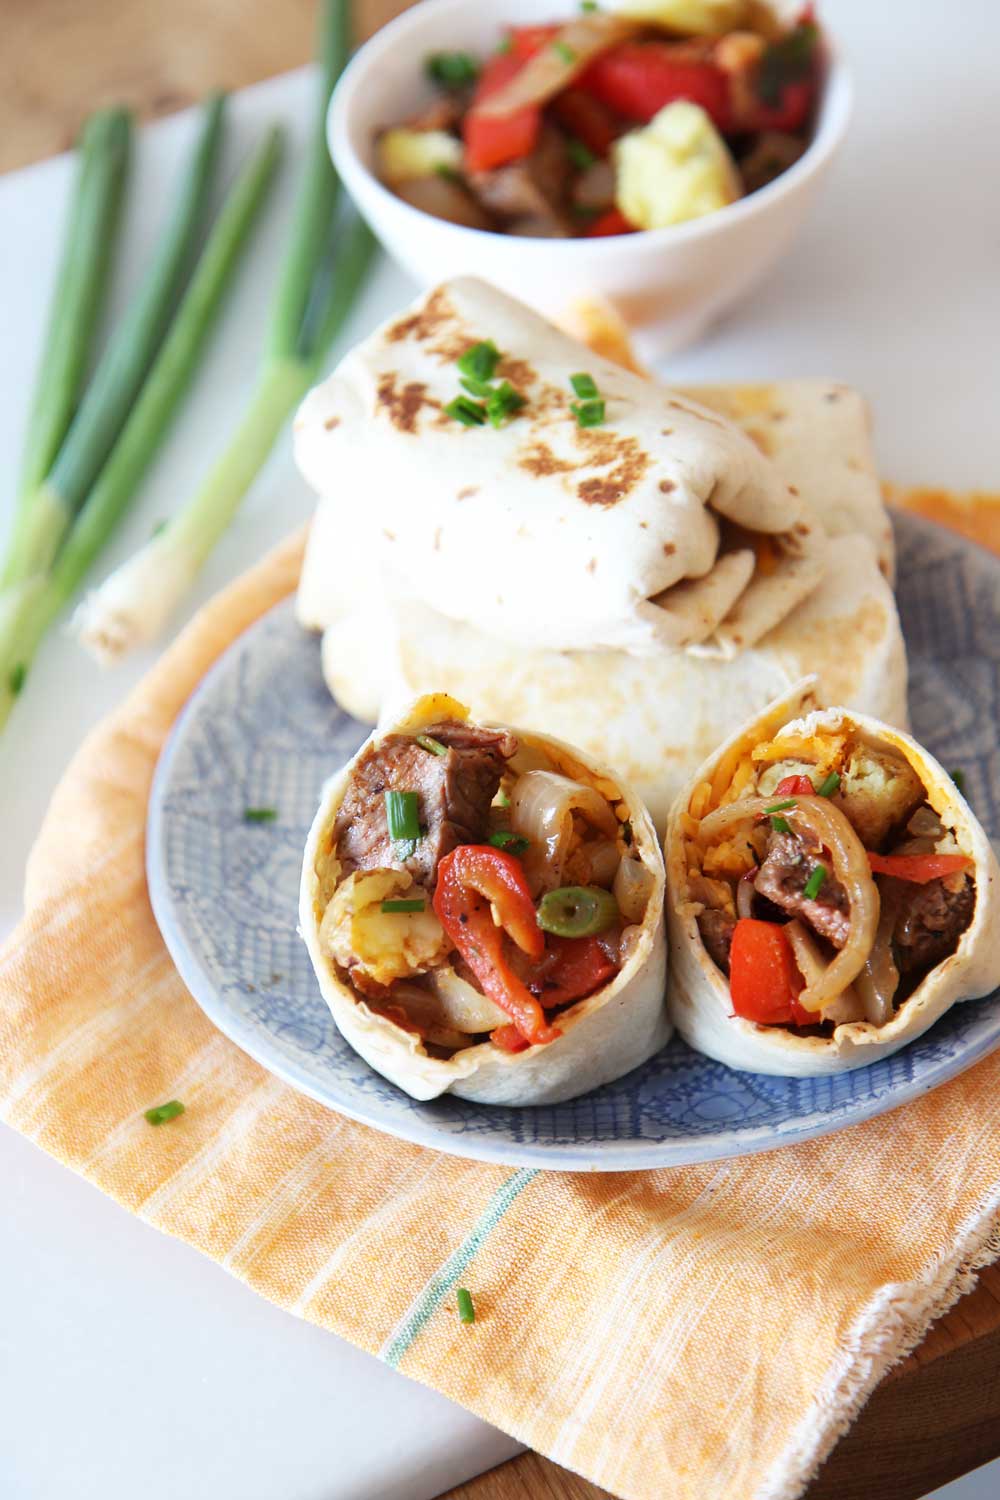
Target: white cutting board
{"points": [[129, 1365]]}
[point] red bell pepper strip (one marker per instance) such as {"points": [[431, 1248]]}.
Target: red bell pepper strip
{"points": [[918, 868], [509, 1039], [612, 222], [764, 982], [795, 786], [638, 78], [493, 140], [580, 968], [470, 879], [525, 41], [587, 119]]}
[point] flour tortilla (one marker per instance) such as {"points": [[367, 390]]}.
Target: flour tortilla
{"points": [[542, 530], [699, 992], [604, 1036]]}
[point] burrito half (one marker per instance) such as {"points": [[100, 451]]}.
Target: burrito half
{"points": [[484, 912], [830, 894]]}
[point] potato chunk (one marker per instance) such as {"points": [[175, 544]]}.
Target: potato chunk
{"points": [[675, 168], [377, 945], [878, 790]]}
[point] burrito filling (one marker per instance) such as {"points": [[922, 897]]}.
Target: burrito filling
{"points": [[474, 890], [825, 883]]}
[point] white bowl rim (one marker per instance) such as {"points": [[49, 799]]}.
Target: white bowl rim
{"points": [[831, 126]]}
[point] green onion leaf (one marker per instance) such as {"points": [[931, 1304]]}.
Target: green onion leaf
{"points": [[814, 884], [259, 814], [503, 403], [780, 806], [781, 825], [581, 157], [480, 360], [469, 413], [512, 843], [588, 413], [452, 70], [414, 905], [830, 784], [577, 911], [15, 681], [480, 388], [589, 6], [164, 1112], [466, 1311], [563, 50], [402, 816], [958, 777], [786, 61], [429, 743], [503, 799], [585, 386]]}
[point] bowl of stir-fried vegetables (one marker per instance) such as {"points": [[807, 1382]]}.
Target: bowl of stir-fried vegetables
{"points": [[662, 153]]}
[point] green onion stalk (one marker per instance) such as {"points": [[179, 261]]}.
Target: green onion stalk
{"points": [[28, 608], [46, 514], [324, 267]]}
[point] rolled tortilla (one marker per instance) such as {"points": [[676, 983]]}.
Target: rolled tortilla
{"points": [[699, 990], [541, 530], [653, 718], [603, 1036]]}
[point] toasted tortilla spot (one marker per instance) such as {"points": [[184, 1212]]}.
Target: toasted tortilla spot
{"points": [[517, 371], [792, 490], [331, 423], [666, 485], [468, 492], [540, 461], [668, 547], [436, 313], [403, 407], [761, 440], [592, 565]]}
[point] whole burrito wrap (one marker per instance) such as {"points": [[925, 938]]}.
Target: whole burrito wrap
{"points": [[663, 524], [398, 992], [911, 890]]}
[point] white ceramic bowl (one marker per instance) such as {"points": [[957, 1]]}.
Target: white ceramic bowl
{"points": [[667, 283]]}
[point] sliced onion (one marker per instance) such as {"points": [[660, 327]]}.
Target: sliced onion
{"points": [[632, 889], [541, 809], [745, 894], [604, 861], [846, 1006], [850, 864], [627, 944], [879, 979], [458, 1004]]}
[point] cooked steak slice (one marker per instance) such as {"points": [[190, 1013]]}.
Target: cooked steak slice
{"points": [[716, 928], [530, 192], [791, 859], [931, 920], [454, 793]]}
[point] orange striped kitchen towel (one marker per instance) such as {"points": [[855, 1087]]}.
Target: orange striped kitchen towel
{"points": [[705, 1331]]}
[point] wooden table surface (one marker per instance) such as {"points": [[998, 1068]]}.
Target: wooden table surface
{"points": [[938, 1414]]}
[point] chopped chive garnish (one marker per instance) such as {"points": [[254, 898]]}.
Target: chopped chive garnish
{"points": [[814, 884], [588, 6], [402, 816], [781, 825], [830, 784], [469, 413], [503, 402], [479, 361], [780, 806], [582, 157], [563, 50], [588, 413], [479, 388], [164, 1112], [429, 743], [16, 678], [503, 799], [452, 70], [414, 905], [259, 814], [958, 777], [585, 386], [513, 843], [466, 1311], [627, 834]]}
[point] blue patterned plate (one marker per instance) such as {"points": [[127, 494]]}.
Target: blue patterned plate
{"points": [[261, 731]]}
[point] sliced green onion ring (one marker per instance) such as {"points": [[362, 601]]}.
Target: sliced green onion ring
{"points": [[511, 843], [814, 884], [829, 785], [164, 1112], [779, 806], [402, 816], [466, 1311], [577, 911], [414, 905], [431, 745]]}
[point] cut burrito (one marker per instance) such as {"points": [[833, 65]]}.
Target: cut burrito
{"points": [[830, 894], [484, 912], [494, 469]]}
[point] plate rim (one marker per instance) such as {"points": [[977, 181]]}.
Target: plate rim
{"points": [[611, 1156]]}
